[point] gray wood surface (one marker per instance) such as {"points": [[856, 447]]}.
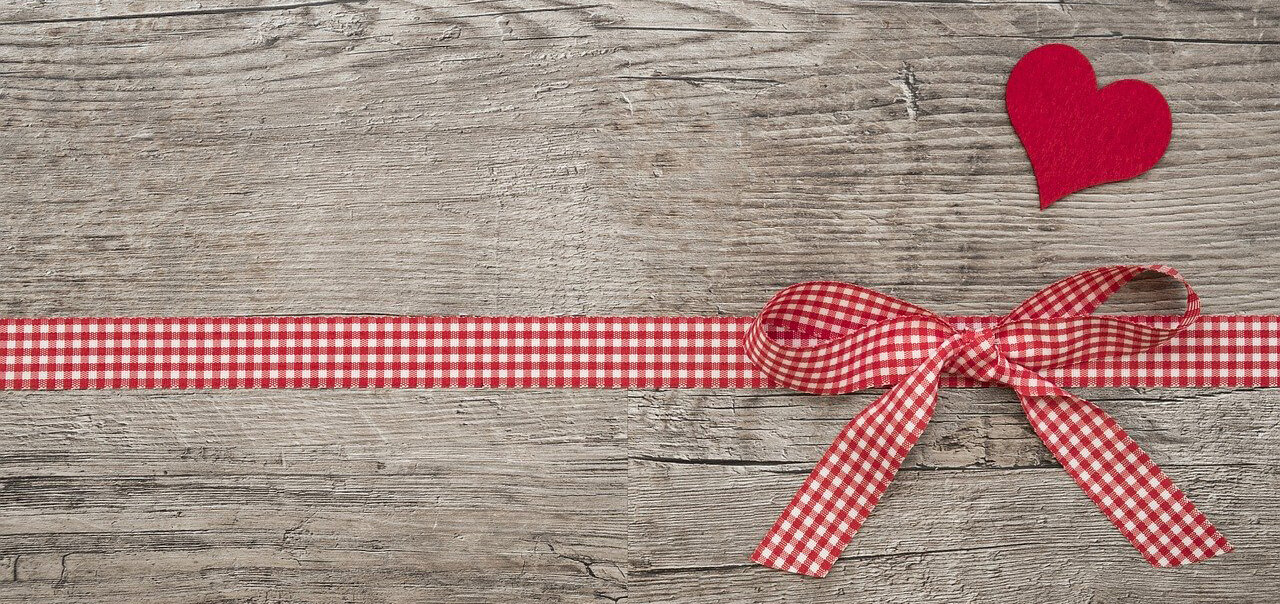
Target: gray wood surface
{"points": [[539, 157]]}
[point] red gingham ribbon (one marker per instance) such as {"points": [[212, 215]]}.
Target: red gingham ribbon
{"points": [[831, 338], [54, 353], [818, 337]]}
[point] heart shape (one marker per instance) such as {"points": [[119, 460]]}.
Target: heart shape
{"points": [[1077, 135]]}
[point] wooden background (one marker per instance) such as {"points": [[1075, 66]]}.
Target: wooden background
{"points": [[215, 157]]}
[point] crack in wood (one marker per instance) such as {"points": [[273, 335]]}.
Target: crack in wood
{"points": [[1120, 36], [550, 9], [226, 10], [906, 81], [711, 30], [665, 570], [700, 79]]}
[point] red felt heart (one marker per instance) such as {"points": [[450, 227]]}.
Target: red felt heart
{"points": [[1076, 134]]}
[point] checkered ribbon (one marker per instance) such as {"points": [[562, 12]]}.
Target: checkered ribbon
{"points": [[817, 337], [831, 338]]}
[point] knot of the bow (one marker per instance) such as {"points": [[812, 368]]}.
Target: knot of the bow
{"points": [[977, 355], [830, 338]]}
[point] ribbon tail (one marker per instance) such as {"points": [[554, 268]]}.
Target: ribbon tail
{"points": [[854, 472], [1152, 513]]}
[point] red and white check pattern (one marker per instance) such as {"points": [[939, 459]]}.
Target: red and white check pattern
{"points": [[528, 352], [375, 352], [830, 338]]}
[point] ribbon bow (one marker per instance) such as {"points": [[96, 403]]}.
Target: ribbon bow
{"points": [[827, 337]]}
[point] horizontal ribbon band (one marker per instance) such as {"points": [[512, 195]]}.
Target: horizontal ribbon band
{"points": [[523, 352]]}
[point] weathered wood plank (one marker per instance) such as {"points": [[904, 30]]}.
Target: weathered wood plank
{"points": [[312, 497], [711, 471], [1013, 572], [330, 159], [972, 428]]}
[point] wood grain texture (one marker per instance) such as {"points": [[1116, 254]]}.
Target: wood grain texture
{"points": [[555, 157]]}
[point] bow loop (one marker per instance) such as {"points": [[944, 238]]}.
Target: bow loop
{"points": [[1056, 327], [1082, 293], [827, 337]]}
